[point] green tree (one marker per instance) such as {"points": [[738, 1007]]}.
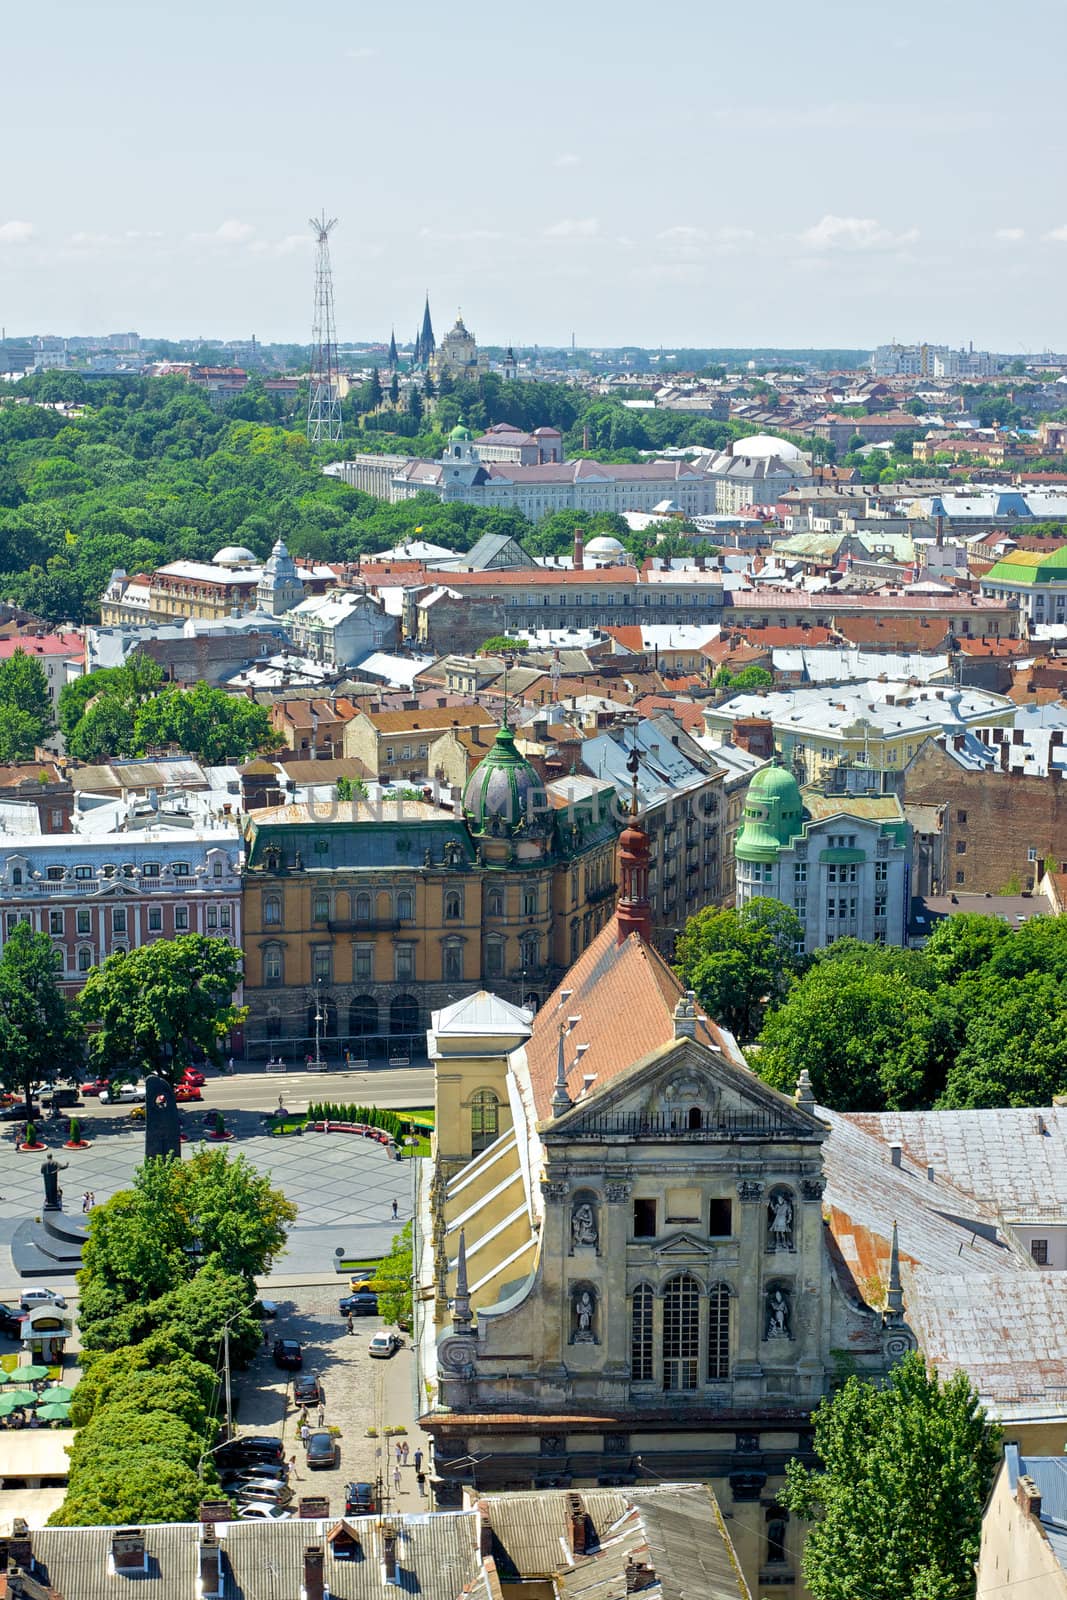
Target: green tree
{"points": [[747, 681], [130, 1491], [896, 1503], [499, 644], [19, 734], [395, 1276], [206, 723], [739, 961], [25, 703], [394, 387], [374, 390], [112, 1375], [415, 402], [39, 1039], [156, 1006]]}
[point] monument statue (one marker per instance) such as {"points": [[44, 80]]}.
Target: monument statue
{"points": [[777, 1316], [584, 1314], [50, 1170], [162, 1133], [780, 1221], [583, 1225]]}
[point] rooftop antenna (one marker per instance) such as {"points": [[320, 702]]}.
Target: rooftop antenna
{"points": [[324, 399]]}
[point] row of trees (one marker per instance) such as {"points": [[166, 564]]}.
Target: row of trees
{"points": [[169, 1264], [153, 1009], [975, 1018]]}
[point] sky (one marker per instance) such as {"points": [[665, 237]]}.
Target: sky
{"points": [[837, 174]]}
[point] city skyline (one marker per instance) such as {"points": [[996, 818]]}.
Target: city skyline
{"points": [[589, 176]]}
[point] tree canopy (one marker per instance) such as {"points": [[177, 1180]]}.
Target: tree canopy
{"points": [[39, 1038], [896, 1501], [739, 961], [156, 1006], [25, 706]]}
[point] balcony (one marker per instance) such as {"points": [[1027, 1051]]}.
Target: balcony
{"points": [[364, 925], [606, 892]]}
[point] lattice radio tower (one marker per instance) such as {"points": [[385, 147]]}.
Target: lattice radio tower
{"points": [[324, 399]]}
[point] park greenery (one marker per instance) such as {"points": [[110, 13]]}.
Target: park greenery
{"points": [[39, 1038], [975, 1018], [159, 1007], [25, 706], [393, 1279], [895, 1502], [747, 681], [128, 710], [169, 1264]]}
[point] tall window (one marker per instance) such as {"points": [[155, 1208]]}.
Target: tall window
{"points": [[495, 903], [155, 919], [85, 919], [681, 1333], [485, 1119], [321, 910], [181, 919], [362, 907], [494, 958], [452, 963], [405, 905], [85, 959], [273, 971], [118, 919], [322, 963], [453, 906], [718, 1331], [641, 1335], [55, 922]]}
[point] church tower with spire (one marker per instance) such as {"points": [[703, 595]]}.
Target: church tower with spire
{"points": [[426, 344]]}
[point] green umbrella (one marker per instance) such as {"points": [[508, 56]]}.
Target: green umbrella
{"points": [[29, 1374], [19, 1397], [57, 1395], [53, 1413], [8, 1404]]}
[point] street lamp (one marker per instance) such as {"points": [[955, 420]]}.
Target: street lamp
{"points": [[319, 1019]]}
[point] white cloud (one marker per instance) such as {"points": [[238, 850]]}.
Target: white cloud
{"points": [[15, 232], [233, 232], [683, 235], [574, 228], [1059, 234], [567, 159], [363, 52], [854, 233], [1010, 235]]}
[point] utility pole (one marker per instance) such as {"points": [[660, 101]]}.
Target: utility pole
{"points": [[226, 1380], [324, 398]]}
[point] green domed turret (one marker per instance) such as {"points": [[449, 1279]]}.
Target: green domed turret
{"points": [[774, 814], [504, 794], [461, 431]]}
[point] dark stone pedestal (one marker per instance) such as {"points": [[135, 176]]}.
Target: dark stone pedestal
{"points": [[41, 1249]]}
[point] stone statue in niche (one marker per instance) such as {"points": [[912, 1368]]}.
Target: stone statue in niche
{"points": [[583, 1226], [778, 1315], [780, 1221], [583, 1317]]}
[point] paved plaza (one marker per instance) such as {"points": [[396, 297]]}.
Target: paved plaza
{"points": [[343, 1186]]}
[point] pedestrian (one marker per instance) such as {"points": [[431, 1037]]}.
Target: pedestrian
{"points": [[292, 1466], [351, 1324], [303, 1418], [305, 1434], [230, 1067], [85, 1201], [394, 1211], [420, 1479], [396, 1477], [418, 1460], [92, 1198], [322, 1414]]}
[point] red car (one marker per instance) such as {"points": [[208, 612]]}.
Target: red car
{"points": [[187, 1091], [97, 1086], [193, 1078]]}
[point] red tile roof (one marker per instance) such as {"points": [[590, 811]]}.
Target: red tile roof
{"points": [[689, 713]]}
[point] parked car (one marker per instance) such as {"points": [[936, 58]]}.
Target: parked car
{"points": [[384, 1344], [19, 1111], [360, 1499], [263, 1511], [122, 1094], [11, 1321], [94, 1087], [360, 1305], [248, 1448], [247, 1478], [277, 1494], [266, 1308], [322, 1449], [308, 1391], [288, 1354], [186, 1091], [41, 1297], [193, 1077], [60, 1099]]}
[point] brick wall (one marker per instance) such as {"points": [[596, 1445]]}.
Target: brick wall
{"points": [[996, 817]]}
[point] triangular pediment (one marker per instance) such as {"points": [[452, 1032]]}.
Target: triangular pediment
{"points": [[686, 1090], [114, 888], [677, 1245]]}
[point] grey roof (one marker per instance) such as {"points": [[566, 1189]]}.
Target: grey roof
{"points": [[1049, 1474], [482, 554]]}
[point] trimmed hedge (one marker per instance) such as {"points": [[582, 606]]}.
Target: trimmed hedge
{"points": [[370, 1116]]}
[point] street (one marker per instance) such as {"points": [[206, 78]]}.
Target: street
{"points": [[385, 1087]]}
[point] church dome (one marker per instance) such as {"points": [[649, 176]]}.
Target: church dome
{"points": [[765, 444], [504, 794], [605, 545], [460, 431], [773, 814], [234, 555]]}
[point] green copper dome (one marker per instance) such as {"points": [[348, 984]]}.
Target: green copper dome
{"points": [[504, 795], [460, 431], [774, 814]]}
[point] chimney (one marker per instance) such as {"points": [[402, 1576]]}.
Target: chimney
{"points": [[388, 1554], [1028, 1497], [579, 550], [20, 1544], [210, 1564], [314, 1577], [639, 1575], [685, 1016], [128, 1553], [578, 1522], [896, 1154]]}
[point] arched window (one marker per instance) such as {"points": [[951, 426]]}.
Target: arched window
{"points": [[363, 1016], [641, 1335], [485, 1119], [16, 874], [273, 964], [695, 1118], [494, 905], [453, 906], [85, 958], [718, 1332], [681, 1332], [272, 911], [321, 908], [362, 907], [777, 1554], [530, 949], [403, 1014], [405, 905]]}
